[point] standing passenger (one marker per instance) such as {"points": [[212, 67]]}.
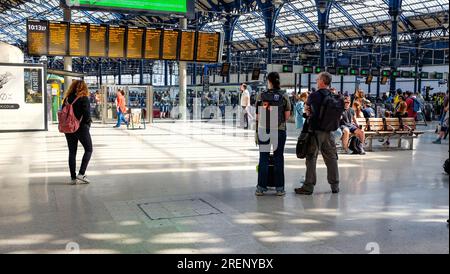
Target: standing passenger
{"points": [[278, 101], [322, 141], [78, 96]]}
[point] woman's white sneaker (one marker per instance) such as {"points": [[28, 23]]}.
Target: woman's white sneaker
{"points": [[83, 179], [73, 181]]}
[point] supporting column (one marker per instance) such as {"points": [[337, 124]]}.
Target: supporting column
{"points": [[141, 72], [323, 45], [269, 50], [194, 74], [323, 13], [182, 73], [379, 86], [295, 83], [394, 12], [67, 60], [100, 76], [239, 67], [309, 81], [270, 13], [419, 85], [228, 28], [166, 73], [228, 61], [120, 72], [299, 82]]}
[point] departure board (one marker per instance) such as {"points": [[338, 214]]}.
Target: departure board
{"points": [[135, 37], [78, 40], [58, 38], [208, 47], [170, 44], [37, 33], [116, 44], [97, 40], [187, 46], [152, 43]]}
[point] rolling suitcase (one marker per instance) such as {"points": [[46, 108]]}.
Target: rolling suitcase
{"points": [[271, 173]]}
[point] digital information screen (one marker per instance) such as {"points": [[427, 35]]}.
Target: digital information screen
{"points": [[184, 7], [37, 33], [170, 45], [208, 47], [135, 38], [58, 38], [97, 40], [187, 46], [116, 41], [78, 39], [152, 43]]}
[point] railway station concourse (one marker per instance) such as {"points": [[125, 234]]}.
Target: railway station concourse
{"points": [[165, 156]]}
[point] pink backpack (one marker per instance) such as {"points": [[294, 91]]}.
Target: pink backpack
{"points": [[68, 123]]}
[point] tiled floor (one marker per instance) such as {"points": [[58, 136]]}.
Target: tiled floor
{"points": [[196, 183]]}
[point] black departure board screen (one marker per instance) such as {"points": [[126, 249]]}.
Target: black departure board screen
{"points": [[37, 33], [152, 43], [135, 37], [187, 46], [116, 44], [208, 47], [58, 38], [78, 39], [97, 40], [170, 45]]}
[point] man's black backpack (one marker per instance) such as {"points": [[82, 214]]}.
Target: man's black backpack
{"points": [[355, 145], [330, 111], [273, 99]]}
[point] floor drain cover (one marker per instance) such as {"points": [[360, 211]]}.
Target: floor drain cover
{"points": [[178, 209]]}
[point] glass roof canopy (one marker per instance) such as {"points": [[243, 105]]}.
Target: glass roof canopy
{"points": [[291, 19], [296, 17]]}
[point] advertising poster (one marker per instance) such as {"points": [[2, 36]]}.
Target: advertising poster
{"points": [[22, 93]]}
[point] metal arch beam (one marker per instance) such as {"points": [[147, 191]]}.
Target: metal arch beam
{"points": [[300, 14], [12, 37], [247, 34], [91, 17], [285, 38], [236, 25], [352, 20]]}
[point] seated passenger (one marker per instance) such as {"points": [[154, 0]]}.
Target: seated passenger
{"points": [[350, 125], [368, 111], [358, 109], [401, 109]]}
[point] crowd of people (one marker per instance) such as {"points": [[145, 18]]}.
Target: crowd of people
{"points": [[310, 116]]}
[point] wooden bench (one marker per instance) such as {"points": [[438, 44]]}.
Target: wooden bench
{"points": [[403, 128]]}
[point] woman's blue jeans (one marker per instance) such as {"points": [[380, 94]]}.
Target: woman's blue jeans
{"points": [[120, 119]]}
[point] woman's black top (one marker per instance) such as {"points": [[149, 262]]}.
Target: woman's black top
{"points": [[81, 108]]}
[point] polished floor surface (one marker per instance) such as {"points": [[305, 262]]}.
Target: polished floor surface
{"points": [[189, 188]]}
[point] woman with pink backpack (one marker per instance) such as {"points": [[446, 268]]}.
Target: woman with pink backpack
{"points": [[75, 122]]}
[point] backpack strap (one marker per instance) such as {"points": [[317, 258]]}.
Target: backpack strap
{"points": [[76, 99]]}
